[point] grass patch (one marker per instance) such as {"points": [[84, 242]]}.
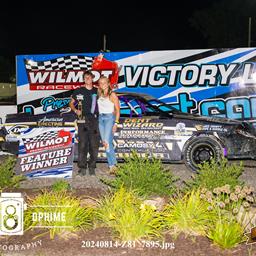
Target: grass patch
{"points": [[128, 217], [8, 178], [61, 186], [189, 214], [75, 216], [226, 233], [145, 175], [216, 174]]}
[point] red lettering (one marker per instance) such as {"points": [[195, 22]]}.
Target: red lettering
{"points": [[34, 87]]}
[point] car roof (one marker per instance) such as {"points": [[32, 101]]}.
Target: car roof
{"points": [[137, 95]]}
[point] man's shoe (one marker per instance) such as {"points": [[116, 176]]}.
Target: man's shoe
{"points": [[82, 171], [92, 171]]}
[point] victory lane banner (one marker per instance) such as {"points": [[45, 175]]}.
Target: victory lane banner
{"points": [[46, 152], [210, 82]]}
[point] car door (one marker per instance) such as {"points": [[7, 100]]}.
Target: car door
{"points": [[148, 130]]}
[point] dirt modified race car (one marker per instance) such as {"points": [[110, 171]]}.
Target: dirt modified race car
{"points": [[149, 126]]}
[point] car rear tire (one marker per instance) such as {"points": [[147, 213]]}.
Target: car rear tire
{"points": [[200, 149]]}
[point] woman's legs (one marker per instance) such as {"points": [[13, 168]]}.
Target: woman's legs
{"points": [[102, 129], [106, 123], [111, 152]]}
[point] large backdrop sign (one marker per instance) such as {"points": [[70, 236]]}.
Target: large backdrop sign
{"points": [[211, 82]]}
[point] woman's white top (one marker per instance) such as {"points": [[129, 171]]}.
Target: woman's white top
{"points": [[105, 105]]}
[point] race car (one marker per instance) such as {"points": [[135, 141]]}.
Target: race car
{"points": [[150, 126]]}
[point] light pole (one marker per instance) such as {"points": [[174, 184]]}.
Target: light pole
{"points": [[104, 42], [249, 31]]}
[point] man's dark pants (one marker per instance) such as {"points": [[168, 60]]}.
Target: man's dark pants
{"points": [[88, 141]]}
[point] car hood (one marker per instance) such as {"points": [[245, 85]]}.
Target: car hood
{"points": [[237, 124], [210, 119]]}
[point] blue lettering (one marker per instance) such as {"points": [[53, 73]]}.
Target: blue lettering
{"points": [[213, 108], [53, 103], [234, 108], [238, 108], [253, 106], [186, 104]]}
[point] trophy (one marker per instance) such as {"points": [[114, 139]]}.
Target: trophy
{"points": [[80, 108]]}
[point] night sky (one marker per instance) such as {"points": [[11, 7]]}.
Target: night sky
{"points": [[71, 28]]}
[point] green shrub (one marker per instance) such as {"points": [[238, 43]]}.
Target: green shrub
{"points": [[8, 178], [226, 233], [60, 186], [145, 175], [212, 175], [76, 217], [129, 218], [189, 214]]}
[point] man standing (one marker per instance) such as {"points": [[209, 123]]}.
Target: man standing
{"points": [[83, 103]]}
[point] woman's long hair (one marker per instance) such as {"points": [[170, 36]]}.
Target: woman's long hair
{"points": [[101, 91]]}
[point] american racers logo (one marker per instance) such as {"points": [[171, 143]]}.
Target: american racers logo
{"points": [[47, 140], [50, 122]]}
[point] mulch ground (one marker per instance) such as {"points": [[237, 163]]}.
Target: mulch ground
{"points": [[101, 241]]}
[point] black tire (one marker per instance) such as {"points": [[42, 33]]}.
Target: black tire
{"points": [[200, 149]]}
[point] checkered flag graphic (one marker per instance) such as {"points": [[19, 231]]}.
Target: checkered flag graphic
{"points": [[63, 63], [42, 137]]}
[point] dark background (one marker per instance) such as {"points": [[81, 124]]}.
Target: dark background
{"points": [[74, 27]]}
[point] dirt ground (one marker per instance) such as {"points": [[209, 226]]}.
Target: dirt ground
{"points": [[101, 241]]}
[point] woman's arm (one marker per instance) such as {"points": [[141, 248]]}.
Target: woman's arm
{"points": [[116, 102]]}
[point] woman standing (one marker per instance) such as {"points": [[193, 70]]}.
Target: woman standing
{"points": [[109, 113]]}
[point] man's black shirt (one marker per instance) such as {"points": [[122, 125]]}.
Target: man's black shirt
{"points": [[86, 97]]}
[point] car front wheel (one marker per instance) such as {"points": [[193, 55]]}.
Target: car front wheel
{"points": [[201, 149]]}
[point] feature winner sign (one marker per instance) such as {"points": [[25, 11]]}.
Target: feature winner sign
{"points": [[46, 152]]}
